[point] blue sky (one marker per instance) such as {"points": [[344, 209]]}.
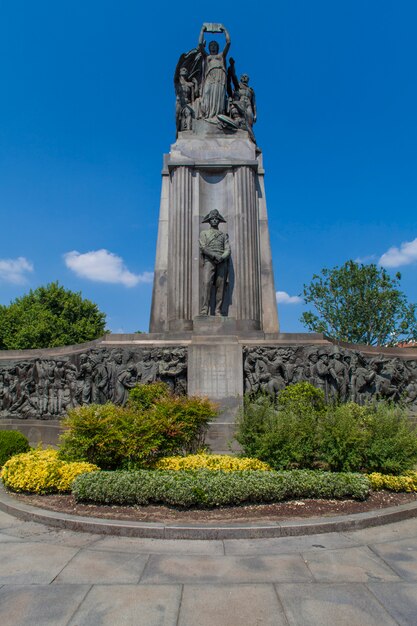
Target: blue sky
{"points": [[87, 111]]}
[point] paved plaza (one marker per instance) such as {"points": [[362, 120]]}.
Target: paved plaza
{"points": [[54, 577]]}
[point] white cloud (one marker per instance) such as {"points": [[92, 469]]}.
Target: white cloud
{"points": [[14, 270], [104, 266], [366, 259], [284, 298], [404, 255]]}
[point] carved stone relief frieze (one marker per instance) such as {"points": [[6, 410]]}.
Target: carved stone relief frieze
{"points": [[343, 375], [46, 388]]}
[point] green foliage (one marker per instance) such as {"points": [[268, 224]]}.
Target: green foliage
{"points": [[359, 304], [289, 441], [301, 399], [12, 442], [392, 440], [282, 434], [252, 424], [154, 424], [346, 437], [48, 317], [208, 488], [342, 438], [142, 397]]}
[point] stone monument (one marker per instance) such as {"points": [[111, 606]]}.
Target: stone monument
{"points": [[215, 165]]}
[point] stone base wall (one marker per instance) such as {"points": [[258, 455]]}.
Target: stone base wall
{"points": [[37, 387]]}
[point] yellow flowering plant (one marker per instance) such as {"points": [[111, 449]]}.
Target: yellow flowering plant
{"points": [[406, 482], [223, 462], [41, 471]]}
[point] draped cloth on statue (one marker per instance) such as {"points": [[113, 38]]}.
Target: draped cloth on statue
{"points": [[214, 90]]}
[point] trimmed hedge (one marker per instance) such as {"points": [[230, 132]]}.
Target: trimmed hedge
{"points": [[207, 488], [12, 442]]}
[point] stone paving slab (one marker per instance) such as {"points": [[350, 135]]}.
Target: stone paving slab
{"points": [[229, 605], [137, 545], [32, 563], [27, 531], [7, 520], [389, 532], [399, 599], [287, 545], [332, 605], [128, 605], [39, 605], [95, 567], [227, 569], [358, 564], [360, 578], [401, 556]]}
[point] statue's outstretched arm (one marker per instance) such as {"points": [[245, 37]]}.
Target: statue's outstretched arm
{"points": [[227, 46], [255, 114], [201, 42]]}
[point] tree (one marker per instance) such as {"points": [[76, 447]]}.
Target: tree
{"points": [[48, 317], [360, 303]]}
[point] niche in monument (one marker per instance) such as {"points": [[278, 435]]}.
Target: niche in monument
{"points": [[213, 258]]}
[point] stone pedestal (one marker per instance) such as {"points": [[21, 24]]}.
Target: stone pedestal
{"points": [[215, 370], [208, 169]]}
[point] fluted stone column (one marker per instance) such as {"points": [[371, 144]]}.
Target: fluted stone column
{"points": [[246, 254], [180, 249]]}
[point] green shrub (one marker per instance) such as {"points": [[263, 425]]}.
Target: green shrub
{"points": [[116, 437], [254, 421], [302, 399], [12, 442], [289, 441], [207, 488], [142, 397], [282, 434], [392, 440], [342, 438], [300, 431]]}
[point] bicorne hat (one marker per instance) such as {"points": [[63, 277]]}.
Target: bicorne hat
{"points": [[213, 213]]}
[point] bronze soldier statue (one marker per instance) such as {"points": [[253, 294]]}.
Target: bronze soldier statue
{"points": [[215, 251]]}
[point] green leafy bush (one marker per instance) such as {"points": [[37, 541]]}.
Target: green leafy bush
{"points": [[290, 441], [12, 442], [302, 399], [153, 424], [342, 437], [142, 397], [208, 488], [392, 440], [300, 431]]}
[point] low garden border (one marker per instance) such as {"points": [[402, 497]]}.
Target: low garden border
{"points": [[153, 530]]}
